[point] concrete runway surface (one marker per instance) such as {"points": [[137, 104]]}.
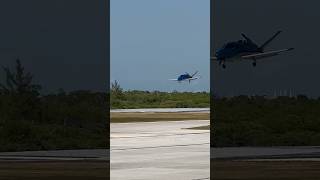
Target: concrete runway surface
{"points": [[164, 110], [60, 155], [303, 153], [160, 150]]}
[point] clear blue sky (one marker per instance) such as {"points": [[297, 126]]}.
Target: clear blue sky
{"points": [[156, 40]]}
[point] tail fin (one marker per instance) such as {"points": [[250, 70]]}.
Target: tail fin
{"points": [[194, 73], [246, 38], [269, 40]]}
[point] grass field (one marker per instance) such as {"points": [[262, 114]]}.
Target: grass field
{"points": [[53, 170], [144, 99], [152, 117], [275, 170]]}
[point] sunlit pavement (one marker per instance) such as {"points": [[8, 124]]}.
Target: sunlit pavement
{"points": [[160, 150], [268, 153]]}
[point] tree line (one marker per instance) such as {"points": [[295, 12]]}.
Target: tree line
{"points": [[31, 121], [121, 99], [261, 121]]}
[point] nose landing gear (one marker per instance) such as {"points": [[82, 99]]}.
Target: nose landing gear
{"points": [[222, 62]]}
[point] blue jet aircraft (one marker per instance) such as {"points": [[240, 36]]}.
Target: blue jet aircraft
{"points": [[245, 49], [186, 77]]}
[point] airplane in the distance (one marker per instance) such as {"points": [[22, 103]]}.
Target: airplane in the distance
{"points": [[186, 77], [245, 50]]}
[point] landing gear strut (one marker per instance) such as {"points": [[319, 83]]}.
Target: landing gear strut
{"points": [[254, 64], [221, 62]]}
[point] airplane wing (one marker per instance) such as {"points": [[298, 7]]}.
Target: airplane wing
{"points": [[173, 79], [265, 54], [194, 78]]}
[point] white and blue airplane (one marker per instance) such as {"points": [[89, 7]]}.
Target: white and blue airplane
{"points": [[186, 77], [245, 50]]}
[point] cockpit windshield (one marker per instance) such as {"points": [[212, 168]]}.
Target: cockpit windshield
{"points": [[230, 45]]}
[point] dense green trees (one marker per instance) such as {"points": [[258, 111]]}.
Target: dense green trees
{"points": [[31, 121], [156, 99], [19, 97], [258, 121]]}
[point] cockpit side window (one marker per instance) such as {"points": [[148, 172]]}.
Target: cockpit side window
{"points": [[230, 45]]}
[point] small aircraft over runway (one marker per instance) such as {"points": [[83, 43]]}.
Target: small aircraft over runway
{"points": [[246, 50], [186, 77]]}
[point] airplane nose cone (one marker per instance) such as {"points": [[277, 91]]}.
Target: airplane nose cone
{"points": [[218, 54]]}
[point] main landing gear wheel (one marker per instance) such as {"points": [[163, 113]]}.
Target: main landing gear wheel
{"points": [[224, 66], [254, 64]]}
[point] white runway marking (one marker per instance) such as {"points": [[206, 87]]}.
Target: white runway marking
{"points": [[206, 110]]}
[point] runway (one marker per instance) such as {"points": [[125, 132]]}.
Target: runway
{"points": [[274, 163], [58, 155], [160, 150], [285, 153], [163, 110]]}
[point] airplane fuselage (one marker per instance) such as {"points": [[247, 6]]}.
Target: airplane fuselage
{"points": [[184, 77], [234, 50], [246, 49]]}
